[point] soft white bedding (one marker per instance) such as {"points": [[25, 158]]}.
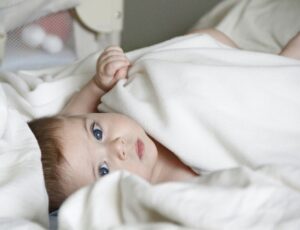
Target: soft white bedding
{"points": [[258, 25], [22, 193], [234, 114], [25, 95]]}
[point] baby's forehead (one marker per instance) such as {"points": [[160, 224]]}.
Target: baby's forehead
{"points": [[70, 123], [73, 133], [74, 118]]}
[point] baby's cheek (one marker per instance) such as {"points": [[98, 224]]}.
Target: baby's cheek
{"points": [[142, 172], [146, 175]]}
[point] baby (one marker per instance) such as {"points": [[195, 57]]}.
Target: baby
{"points": [[80, 146]]}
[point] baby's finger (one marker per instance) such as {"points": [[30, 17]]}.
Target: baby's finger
{"points": [[107, 82], [110, 53], [114, 48], [112, 67], [110, 50], [121, 73], [103, 65], [113, 57]]}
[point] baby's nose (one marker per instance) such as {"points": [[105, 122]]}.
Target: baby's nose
{"points": [[118, 145]]}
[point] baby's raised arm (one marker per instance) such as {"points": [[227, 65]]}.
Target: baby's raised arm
{"points": [[112, 65]]}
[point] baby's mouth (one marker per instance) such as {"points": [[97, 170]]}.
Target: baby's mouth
{"points": [[139, 147]]}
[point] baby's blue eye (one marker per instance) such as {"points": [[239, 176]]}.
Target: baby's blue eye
{"points": [[97, 131], [103, 169]]}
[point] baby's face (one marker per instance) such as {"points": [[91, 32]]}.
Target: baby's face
{"points": [[97, 144]]}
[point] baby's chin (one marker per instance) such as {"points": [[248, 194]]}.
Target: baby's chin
{"points": [[147, 178]]}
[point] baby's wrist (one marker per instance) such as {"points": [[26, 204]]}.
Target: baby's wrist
{"points": [[97, 84]]}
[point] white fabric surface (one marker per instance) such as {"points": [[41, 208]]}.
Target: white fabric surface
{"points": [[231, 112], [224, 99], [256, 184], [23, 196], [25, 95], [261, 194], [258, 25]]}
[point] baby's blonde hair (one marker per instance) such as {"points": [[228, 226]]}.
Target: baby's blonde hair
{"points": [[46, 132]]}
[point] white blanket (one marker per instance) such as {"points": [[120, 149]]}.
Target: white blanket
{"points": [[23, 197], [25, 95], [259, 25], [232, 113]]}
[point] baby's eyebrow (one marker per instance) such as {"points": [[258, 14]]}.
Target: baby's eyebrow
{"points": [[87, 132], [85, 125]]}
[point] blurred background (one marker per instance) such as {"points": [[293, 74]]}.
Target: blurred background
{"points": [[54, 33], [149, 22]]}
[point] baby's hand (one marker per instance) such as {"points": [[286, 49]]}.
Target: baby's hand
{"points": [[112, 65]]}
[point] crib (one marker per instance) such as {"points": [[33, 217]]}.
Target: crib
{"points": [[40, 34]]}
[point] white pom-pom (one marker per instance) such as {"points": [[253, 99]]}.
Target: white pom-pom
{"points": [[33, 35], [52, 44]]}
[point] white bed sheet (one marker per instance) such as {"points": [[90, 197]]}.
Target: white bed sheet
{"points": [[258, 25], [212, 201], [233, 113], [227, 198], [25, 95]]}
